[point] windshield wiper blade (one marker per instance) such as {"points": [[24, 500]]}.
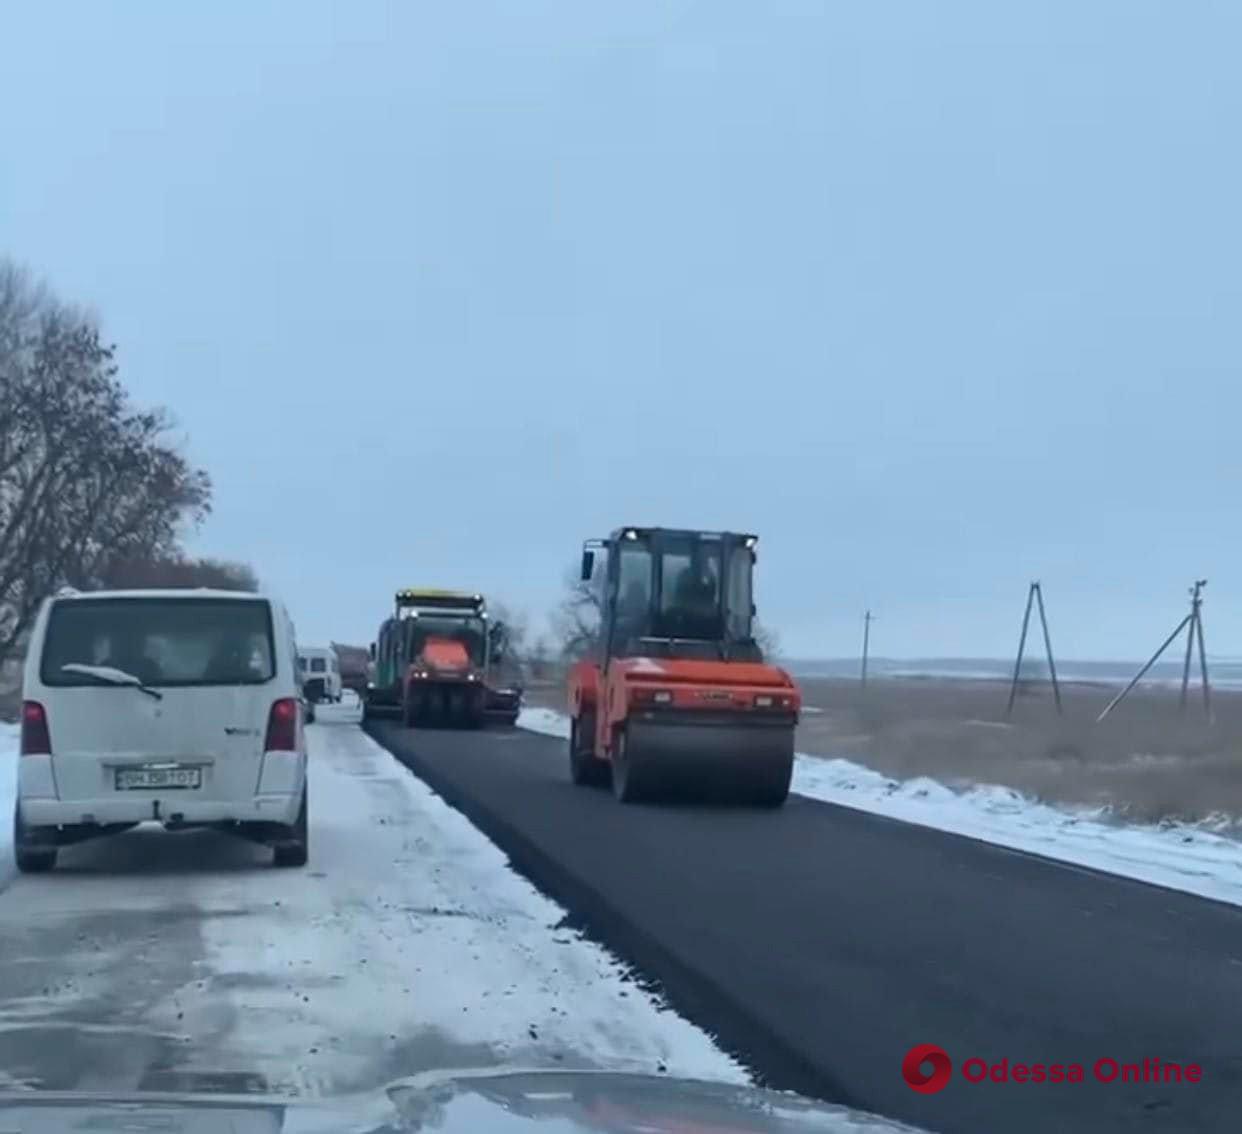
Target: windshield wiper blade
{"points": [[110, 675]]}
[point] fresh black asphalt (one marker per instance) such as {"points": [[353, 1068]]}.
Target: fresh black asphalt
{"points": [[819, 944]]}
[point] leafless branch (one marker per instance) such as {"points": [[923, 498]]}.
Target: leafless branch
{"points": [[576, 621], [86, 479]]}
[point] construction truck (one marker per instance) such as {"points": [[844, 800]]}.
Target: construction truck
{"points": [[439, 659], [355, 665], [676, 697]]}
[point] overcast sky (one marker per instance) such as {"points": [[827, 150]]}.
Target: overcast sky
{"points": [[937, 298]]}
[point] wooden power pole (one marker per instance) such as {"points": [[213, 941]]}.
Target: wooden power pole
{"points": [[1193, 624], [1034, 597]]}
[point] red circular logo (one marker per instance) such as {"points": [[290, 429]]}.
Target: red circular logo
{"points": [[913, 1068]]}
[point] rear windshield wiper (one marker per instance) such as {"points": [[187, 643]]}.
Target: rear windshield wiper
{"points": [[111, 676]]}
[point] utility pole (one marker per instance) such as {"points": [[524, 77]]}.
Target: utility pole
{"points": [[1195, 629], [1193, 621], [1034, 597], [867, 620], [1203, 670]]}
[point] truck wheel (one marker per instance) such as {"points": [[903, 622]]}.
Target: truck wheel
{"points": [[32, 854], [410, 710]]}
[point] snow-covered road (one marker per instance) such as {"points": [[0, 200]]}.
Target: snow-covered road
{"points": [[156, 960]]}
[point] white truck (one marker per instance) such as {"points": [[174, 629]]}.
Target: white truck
{"points": [[319, 673]]}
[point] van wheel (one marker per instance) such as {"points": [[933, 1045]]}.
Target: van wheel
{"points": [[33, 856], [296, 850]]}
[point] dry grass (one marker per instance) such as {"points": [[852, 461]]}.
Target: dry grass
{"points": [[1145, 760]]}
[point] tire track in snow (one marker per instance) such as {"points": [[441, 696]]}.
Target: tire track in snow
{"points": [[408, 943]]}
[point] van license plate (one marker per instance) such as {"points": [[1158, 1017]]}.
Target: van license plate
{"points": [[129, 778]]}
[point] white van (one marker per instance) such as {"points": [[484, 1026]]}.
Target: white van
{"points": [[319, 673], [179, 707]]}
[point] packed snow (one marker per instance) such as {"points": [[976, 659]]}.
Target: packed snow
{"points": [[413, 922], [1191, 858], [407, 944]]}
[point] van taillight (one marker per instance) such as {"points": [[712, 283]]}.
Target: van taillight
{"points": [[36, 741], [282, 726]]}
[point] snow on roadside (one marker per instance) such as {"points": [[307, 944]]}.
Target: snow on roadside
{"points": [[1190, 858], [409, 943], [547, 721], [9, 734], [1178, 856]]}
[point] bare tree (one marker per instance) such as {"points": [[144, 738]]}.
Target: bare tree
{"points": [[177, 571], [509, 629], [576, 621], [767, 639], [84, 477], [539, 655]]}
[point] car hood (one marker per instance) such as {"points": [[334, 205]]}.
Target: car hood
{"points": [[467, 1102]]}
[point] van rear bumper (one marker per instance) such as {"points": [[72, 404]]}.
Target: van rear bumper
{"points": [[276, 807]]}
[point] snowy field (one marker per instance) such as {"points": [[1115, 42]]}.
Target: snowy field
{"points": [[1193, 859], [407, 944]]}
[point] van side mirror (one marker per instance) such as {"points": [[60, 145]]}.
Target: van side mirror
{"points": [[588, 565], [371, 651]]}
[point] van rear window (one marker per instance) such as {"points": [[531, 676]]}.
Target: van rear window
{"points": [[161, 641]]}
